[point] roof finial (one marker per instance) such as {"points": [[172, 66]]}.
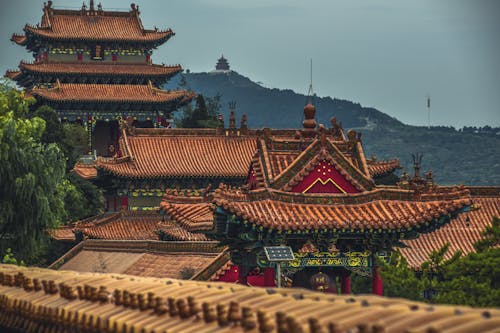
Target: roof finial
{"points": [[91, 5]]}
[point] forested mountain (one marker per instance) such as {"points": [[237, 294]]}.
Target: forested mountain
{"points": [[456, 157]]}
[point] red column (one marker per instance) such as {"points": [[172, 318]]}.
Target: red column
{"points": [[124, 203], [377, 284], [269, 277], [115, 204], [345, 283]]}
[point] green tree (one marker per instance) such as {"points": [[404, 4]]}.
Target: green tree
{"points": [[82, 199], [30, 175], [400, 280], [9, 258], [491, 236], [202, 116], [54, 132], [473, 280], [73, 143]]}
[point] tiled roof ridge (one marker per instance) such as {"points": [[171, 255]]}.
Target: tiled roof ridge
{"points": [[480, 191], [175, 232], [256, 167], [186, 215], [372, 161], [67, 256], [172, 198], [378, 193], [75, 301], [214, 267], [362, 159], [150, 246], [378, 168], [98, 220]]}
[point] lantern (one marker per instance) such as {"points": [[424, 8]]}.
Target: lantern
{"points": [[320, 281]]}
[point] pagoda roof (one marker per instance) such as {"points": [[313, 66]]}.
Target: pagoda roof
{"points": [[157, 153], [92, 25], [113, 93], [461, 235], [379, 210], [26, 303], [87, 68]]}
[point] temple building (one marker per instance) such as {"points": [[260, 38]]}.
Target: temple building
{"points": [[94, 67], [310, 188], [222, 65]]}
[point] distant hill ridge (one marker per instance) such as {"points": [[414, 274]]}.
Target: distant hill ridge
{"points": [[455, 157]]}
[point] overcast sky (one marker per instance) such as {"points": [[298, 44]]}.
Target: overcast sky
{"points": [[389, 54]]}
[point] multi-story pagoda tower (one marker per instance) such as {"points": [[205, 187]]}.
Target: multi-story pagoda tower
{"points": [[222, 64], [94, 67]]}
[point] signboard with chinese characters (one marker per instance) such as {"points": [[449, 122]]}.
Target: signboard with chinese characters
{"points": [[326, 259]]}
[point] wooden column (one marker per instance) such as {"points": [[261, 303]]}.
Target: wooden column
{"points": [[124, 203], [345, 283], [377, 283]]}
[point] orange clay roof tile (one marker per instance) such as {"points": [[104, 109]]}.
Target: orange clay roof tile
{"points": [[64, 233], [380, 214], [120, 226], [378, 168], [192, 217], [124, 93], [176, 233], [164, 156], [461, 233], [85, 171], [112, 26], [24, 305], [130, 69]]}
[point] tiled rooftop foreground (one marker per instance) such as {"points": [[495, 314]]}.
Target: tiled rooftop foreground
{"points": [[42, 300]]}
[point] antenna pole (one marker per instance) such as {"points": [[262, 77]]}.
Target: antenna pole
{"points": [[428, 112], [311, 71], [310, 91]]}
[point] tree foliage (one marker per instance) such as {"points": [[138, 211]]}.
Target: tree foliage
{"points": [[472, 280], [81, 198], [30, 175], [204, 115], [400, 280]]}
